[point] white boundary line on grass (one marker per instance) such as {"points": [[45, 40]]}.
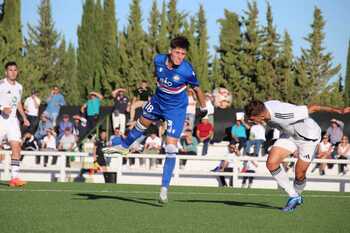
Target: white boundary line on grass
{"points": [[171, 193]]}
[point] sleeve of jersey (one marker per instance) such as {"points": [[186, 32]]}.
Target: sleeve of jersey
{"points": [[192, 78]]}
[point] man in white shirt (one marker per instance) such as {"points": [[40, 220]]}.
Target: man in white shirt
{"points": [[10, 102], [256, 139], [31, 107], [303, 133]]}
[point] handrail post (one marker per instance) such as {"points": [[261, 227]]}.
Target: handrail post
{"points": [[235, 172], [62, 159], [7, 164]]}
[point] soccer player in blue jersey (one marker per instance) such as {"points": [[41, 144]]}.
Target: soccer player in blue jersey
{"points": [[169, 103]]}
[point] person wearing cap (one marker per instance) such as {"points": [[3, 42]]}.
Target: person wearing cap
{"points": [[302, 135], [204, 133], [79, 126], [31, 108], [92, 108], [335, 131]]}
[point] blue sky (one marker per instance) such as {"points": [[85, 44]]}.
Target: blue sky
{"points": [[294, 16]]}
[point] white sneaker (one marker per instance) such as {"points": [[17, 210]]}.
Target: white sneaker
{"points": [[116, 149], [163, 195]]}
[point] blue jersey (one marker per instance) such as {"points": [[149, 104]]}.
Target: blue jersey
{"points": [[170, 100], [171, 84]]}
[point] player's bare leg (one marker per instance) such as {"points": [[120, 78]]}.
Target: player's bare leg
{"points": [[273, 164], [15, 162], [300, 175]]}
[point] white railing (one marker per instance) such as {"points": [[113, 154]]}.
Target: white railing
{"points": [[120, 170]]}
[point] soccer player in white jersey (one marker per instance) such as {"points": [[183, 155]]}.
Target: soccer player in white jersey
{"points": [[303, 136], [10, 102]]}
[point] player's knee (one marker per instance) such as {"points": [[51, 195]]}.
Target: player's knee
{"points": [[271, 165], [171, 149]]}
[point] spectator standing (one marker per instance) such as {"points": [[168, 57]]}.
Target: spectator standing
{"points": [[92, 109], [98, 154], [79, 126], [141, 95], [343, 153], [31, 107], [191, 107], [256, 139], [64, 123], [210, 107], [121, 107], [204, 133], [54, 103]]}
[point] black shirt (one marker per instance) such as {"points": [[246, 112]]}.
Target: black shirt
{"points": [[143, 94], [121, 104]]}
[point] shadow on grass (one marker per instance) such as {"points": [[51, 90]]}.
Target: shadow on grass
{"points": [[234, 203], [91, 196], [4, 184]]}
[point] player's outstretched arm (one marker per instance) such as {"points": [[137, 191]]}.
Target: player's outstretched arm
{"points": [[346, 110], [201, 100], [318, 108]]}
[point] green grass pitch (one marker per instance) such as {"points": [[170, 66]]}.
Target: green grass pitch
{"points": [[79, 207]]}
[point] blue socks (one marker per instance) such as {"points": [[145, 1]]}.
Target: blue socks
{"points": [[168, 169], [134, 134]]}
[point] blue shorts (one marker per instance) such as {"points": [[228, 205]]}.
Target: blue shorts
{"points": [[175, 117]]}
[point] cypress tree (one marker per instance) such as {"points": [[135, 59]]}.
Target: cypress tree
{"points": [[163, 44], [203, 54], [109, 50], [43, 48], [319, 68], [152, 40], [175, 19], [267, 83], [250, 51], [347, 79], [10, 31], [229, 50], [135, 43], [284, 72], [90, 50]]}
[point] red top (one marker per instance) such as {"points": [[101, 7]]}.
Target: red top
{"points": [[204, 129]]}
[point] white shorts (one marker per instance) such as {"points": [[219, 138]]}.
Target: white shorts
{"points": [[306, 149], [9, 129]]}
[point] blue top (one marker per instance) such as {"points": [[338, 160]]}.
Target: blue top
{"points": [[54, 103], [172, 83], [93, 106], [239, 131], [115, 140]]}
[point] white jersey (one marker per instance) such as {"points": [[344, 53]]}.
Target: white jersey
{"points": [[10, 95], [293, 120]]}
